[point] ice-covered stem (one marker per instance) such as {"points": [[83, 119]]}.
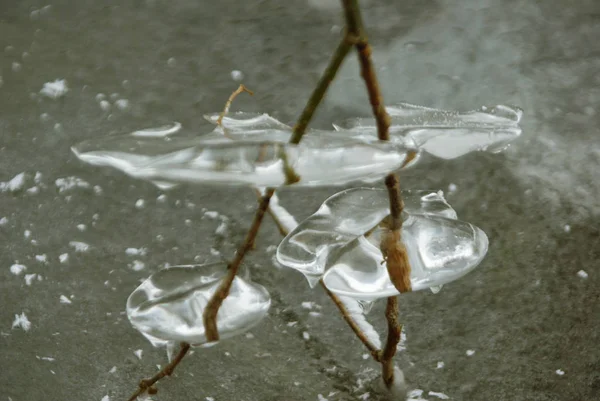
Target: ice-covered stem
{"points": [[392, 248], [212, 307], [146, 385], [319, 92], [375, 352], [235, 93]]}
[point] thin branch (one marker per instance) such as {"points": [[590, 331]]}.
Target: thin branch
{"points": [[147, 384], [375, 352], [322, 86], [212, 307], [239, 90], [393, 338]]}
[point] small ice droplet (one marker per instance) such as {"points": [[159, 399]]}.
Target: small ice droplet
{"points": [[582, 274], [105, 105], [452, 188], [3, 221], [113, 370], [172, 62], [137, 265], [470, 352], [81, 227], [122, 104], [305, 335], [105, 398], [55, 89], [21, 321], [567, 228], [237, 75], [100, 97], [440, 365], [16, 67], [140, 203], [560, 372], [65, 300], [79, 246], [63, 258], [161, 198], [138, 353], [17, 269]]}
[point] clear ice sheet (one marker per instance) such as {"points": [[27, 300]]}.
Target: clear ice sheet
{"points": [[443, 133], [167, 308], [340, 243], [167, 160]]}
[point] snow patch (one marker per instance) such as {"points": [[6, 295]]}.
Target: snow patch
{"points": [[22, 322], [55, 89], [17, 269]]}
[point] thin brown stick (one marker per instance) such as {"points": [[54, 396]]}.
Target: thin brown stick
{"points": [[212, 307], [322, 86], [235, 93], [147, 384], [392, 248], [375, 352]]}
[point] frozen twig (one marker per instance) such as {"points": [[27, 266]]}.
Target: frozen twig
{"points": [[239, 90], [147, 385], [392, 248]]}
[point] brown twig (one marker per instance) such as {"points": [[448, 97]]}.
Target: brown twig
{"points": [[147, 384], [322, 86], [212, 307], [235, 93], [392, 248], [375, 352]]}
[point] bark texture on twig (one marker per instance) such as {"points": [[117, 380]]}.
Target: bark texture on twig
{"points": [[146, 385]]}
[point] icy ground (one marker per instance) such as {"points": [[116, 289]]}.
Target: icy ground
{"points": [[77, 240]]}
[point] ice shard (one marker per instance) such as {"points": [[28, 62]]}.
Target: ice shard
{"points": [[443, 133], [167, 308]]}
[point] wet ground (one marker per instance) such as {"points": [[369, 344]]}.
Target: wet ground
{"points": [[524, 326]]}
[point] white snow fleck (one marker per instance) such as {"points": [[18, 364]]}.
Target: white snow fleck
{"points": [[65, 300], [305, 335], [214, 252], [364, 397], [560, 372], [321, 398], [67, 183], [308, 305], [209, 399], [16, 67], [32, 191], [22, 322], [365, 356], [137, 265], [440, 365], [15, 184], [27, 233], [222, 229], [105, 105], [81, 227], [171, 62], [237, 75], [97, 189], [17, 269], [63, 258], [161, 198], [3, 221], [140, 203], [288, 221], [114, 96], [567, 228], [452, 188], [582, 274], [314, 314], [138, 353], [79, 246], [100, 97], [113, 370], [136, 251], [249, 336], [46, 358], [211, 214], [45, 117], [105, 398], [38, 177], [122, 104], [43, 258], [415, 395], [29, 278], [470, 352], [441, 396], [55, 89]]}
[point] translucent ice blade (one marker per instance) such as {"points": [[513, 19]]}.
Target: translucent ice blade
{"points": [[440, 250], [446, 134], [168, 306], [342, 218], [242, 121], [214, 159]]}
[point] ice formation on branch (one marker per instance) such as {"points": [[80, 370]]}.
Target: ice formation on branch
{"points": [[340, 243], [445, 134], [167, 308], [166, 159]]}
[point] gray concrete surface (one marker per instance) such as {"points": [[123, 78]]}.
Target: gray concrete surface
{"points": [[525, 312]]}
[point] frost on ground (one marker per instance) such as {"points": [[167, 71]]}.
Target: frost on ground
{"points": [[136, 251], [22, 322], [55, 89], [17, 269], [65, 300], [582, 274], [68, 183], [79, 246], [13, 185]]}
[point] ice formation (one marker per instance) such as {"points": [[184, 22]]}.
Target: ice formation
{"points": [[258, 160], [55, 89], [340, 243], [443, 133], [167, 308]]}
